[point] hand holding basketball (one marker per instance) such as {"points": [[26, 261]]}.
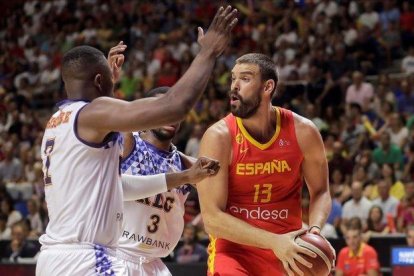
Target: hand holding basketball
{"points": [[289, 252], [325, 259]]}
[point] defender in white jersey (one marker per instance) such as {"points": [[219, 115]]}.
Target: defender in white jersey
{"points": [[81, 148], [152, 226]]}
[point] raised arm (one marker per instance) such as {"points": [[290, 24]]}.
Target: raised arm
{"points": [[315, 172], [104, 114], [213, 194]]}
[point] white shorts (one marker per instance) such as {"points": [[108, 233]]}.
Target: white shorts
{"points": [[79, 260], [142, 266]]}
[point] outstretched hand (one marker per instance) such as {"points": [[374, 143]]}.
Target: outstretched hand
{"points": [[218, 35], [116, 59], [203, 168]]}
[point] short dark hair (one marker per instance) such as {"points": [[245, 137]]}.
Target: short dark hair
{"points": [[157, 91], [266, 66], [82, 62]]}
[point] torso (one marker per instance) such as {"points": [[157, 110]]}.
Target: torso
{"points": [[153, 226], [82, 184]]}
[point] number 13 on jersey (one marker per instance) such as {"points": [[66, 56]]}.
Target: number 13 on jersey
{"points": [[262, 193]]}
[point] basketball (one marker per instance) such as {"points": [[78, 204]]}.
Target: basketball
{"points": [[325, 259]]}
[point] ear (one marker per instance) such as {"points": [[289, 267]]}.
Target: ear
{"points": [[269, 86], [98, 82]]}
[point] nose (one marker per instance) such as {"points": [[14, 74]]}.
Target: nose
{"points": [[235, 85]]}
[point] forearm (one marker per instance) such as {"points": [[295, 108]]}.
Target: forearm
{"points": [[222, 225], [186, 92], [320, 207], [139, 186]]}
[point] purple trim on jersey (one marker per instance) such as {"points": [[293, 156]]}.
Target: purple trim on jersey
{"points": [[68, 101], [103, 265], [110, 137], [132, 151]]}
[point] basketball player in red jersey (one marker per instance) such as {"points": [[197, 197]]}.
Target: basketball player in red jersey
{"points": [[252, 211]]}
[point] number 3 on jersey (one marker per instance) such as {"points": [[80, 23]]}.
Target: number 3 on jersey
{"points": [[262, 193], [50, 143], [153, 226]]}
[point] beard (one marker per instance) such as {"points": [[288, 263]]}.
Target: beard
{"points": [[162, 134], [247, 107]]}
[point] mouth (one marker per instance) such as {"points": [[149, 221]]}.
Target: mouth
{"points": [[234, 99]]}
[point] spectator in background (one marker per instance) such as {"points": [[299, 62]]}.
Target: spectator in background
{"points": [[395, 126], [388, 175], [387, 152], [7, 208], [19, 246], [341, 190], [359, 91], [193, 143], [335, 215], [357, 258], [375, 224], [385, 201], [405, 211], [410, 235], [358, 206], [407, 64], [405, 101], [190, 251], [10, 168], [36, 224], [369, 18], [5, 232]]}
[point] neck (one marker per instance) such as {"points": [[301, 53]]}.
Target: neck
{"points": [[261, 126], [153, 140], [78, 89]]}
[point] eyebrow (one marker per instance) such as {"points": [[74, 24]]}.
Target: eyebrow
{"points": [[245, 73]]}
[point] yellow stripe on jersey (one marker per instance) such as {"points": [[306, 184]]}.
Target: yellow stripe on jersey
{"points": [[211, 255], [252, 140]]}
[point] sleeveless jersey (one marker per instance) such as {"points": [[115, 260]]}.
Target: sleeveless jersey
{"points": [[265, 180], [82, 183], [152, 226]]}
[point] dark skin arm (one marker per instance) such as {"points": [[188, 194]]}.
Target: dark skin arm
{"points": [[104, 115]]}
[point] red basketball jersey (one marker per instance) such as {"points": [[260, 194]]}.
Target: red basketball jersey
{"points": [[265, 182]]}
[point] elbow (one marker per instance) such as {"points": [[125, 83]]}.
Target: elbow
{"points": [[210, 226]]}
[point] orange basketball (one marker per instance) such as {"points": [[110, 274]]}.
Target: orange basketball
{"points": [[325, 255]]}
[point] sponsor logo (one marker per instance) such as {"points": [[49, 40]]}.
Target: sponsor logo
{"points": [[270, 167], [283, 142], [145, 242], [239, 138], [260, 213]]}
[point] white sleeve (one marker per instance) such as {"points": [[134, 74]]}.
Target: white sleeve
{"points": [[138, 186]]}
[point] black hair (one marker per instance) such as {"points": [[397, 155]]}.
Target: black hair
{"points": [[157, 91], [266, 66], [82, 62]]}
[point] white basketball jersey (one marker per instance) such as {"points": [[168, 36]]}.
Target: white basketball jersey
{"points": [[82, 183], [152, 226]]}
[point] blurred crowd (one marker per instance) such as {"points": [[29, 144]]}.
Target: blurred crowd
{"points": [[348, 65]]}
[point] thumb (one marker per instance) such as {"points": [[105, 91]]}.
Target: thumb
{"points": [[200, 33], [299, 232]]}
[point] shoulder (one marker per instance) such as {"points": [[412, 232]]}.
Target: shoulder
{"points": [[307, 134], [344, 252], [369, 250], [219, 130]]}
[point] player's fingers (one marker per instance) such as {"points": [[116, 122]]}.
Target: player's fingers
{"points": [[117, 49], [295, 267], [296, 233], [303, 250], [231, 25], [302, 260], [221, 22], [230, 16], [200, 33], [216, 17], [120, 60], [287, 268]]}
